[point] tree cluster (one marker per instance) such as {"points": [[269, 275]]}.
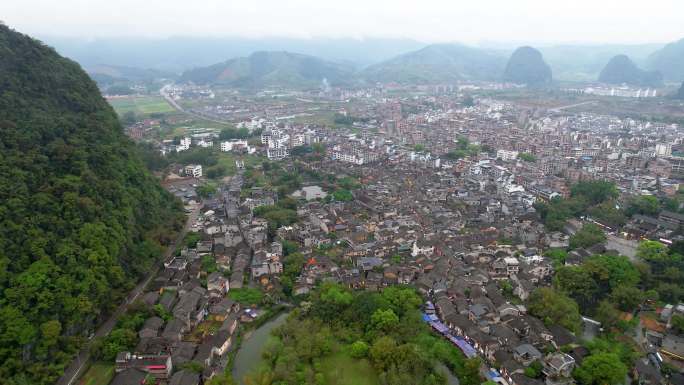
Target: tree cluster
{"points": [[594, 198], [383, 330], [463, 149]]}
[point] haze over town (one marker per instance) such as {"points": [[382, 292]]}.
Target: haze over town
{"points": [[431, 21], [341, 193]]}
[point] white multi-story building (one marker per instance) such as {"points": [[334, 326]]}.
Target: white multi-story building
{"points": [[266, 137], [275, 138], [184, 144], [507, 155], [277, 153], [298, 140], [205, 143], [354, 154], [663, 149], [231, 145], [193, 170]]}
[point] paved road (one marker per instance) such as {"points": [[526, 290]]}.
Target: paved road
{"points": [[163, 92], [559, 109], [72, 372], [626, 247]]}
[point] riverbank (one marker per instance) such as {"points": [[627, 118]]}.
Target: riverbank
{"points": [[246, 355]]}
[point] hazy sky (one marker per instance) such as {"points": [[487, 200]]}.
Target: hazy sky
{"points": [[471, 21]]}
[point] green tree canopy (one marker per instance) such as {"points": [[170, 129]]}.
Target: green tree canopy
{"points": [[601, 369], [643, 204], [589, 235], [554, 307]]}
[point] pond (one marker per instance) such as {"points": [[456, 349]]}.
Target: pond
{"points": [[249, 355]]}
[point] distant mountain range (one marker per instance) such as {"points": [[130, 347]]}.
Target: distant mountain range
{"points": [[621, 69], [669, 61], [585, 62], [268, 68], [399, 60], [438, 63], [527, 66], [178, 54]]}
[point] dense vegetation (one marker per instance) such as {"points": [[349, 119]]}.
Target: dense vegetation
{"points": [[80, 217], [527, 66], [621, 69], [463, 149], [344, 337], [593, 198], [588, 236], [608, 289], [527, 157], [124, 336]]}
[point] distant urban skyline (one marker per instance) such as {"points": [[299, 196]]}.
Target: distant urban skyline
{"points": [[430, 21]]}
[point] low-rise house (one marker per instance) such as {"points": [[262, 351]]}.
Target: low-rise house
{"points": [[187, 306], [221, 342], [230, 323], [647, 374], [673, 346], [521, 379], [204, 353], [185, 377], [558, 365], [368, 263], [220, 310], [216, 282], [561, 336], [159, 366], [526, 354], [183, 352], [174, 330], [129, 376], [523, 289], [151, 327]]}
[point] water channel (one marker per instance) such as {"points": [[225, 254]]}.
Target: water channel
{"points": [[249, 355]]}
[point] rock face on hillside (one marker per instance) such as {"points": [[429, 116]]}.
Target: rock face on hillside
{"points": [[437, 63], [271, 68], [527, 66], [669, 61], [79, 212], [621, 69]]}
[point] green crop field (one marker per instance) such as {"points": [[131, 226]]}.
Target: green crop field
{"points": [[141, 105]]}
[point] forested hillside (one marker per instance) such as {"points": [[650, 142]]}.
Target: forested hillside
{"points": [[266, 68], [621, 69], [80, 217], [527, 66], [437, 63]]}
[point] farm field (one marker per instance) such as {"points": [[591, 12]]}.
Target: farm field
{"points": [[140, 105]]}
